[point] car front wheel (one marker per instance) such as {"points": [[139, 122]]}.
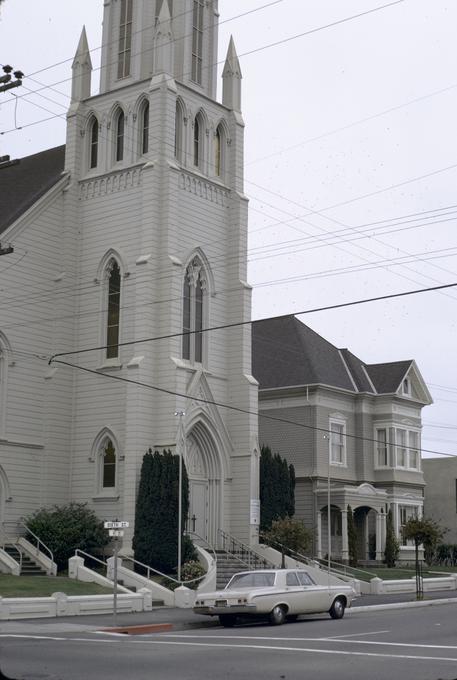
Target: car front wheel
{"points": [[337, 608], [227, 620], [277, 615]]}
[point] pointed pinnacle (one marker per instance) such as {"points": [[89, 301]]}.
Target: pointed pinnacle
{"points": [[232, 65], [82, 55]]}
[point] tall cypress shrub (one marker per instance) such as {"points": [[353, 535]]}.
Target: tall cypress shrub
{"points": [[277, 488], [155, 541], [392, 548]]}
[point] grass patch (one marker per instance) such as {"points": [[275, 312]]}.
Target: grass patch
{"points": [[44, 586]]}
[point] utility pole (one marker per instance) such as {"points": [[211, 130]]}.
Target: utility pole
{"points": [[6, 82]]}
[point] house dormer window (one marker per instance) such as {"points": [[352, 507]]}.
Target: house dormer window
{"points": [[197, 41], [125, 39], [406, 387]]}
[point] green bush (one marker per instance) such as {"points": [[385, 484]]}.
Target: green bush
{"points": [[67, 527], [392, 549], [277, 488], [190, 570], [290, 533]]}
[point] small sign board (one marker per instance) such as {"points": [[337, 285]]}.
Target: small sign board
{"points": [[115, 525], [255, 511], [117, 533]]}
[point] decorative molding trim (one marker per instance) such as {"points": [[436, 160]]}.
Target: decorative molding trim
{"points": [[113, 183], [203, 189], [23, 445]]}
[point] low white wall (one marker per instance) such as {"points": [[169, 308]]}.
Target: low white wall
{"points": [[59, 604], [208, 584], [79, 572], [408, 585]]}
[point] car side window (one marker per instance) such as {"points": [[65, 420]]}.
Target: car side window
{"points": [[292, 579], [305, 579]]}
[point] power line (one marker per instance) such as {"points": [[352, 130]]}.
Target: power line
{"points": [[230, 407], [245, 323]]}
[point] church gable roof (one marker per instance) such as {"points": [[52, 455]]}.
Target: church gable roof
{"points": [[24, 181]]}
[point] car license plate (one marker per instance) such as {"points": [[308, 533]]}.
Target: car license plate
{"points": [[221, 603]]}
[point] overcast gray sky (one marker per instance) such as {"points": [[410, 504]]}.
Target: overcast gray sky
{"points": [[334, 120]]}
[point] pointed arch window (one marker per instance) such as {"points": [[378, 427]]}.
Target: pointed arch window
{"points": [[120, 129], [179, 123], [197, 41], [218, 152], [125, 38], [145, 128], [114, 305], [106, 457], [197, 142], [194, 296], [93, 151]]}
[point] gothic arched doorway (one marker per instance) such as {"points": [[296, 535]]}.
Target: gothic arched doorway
{"points": [[204, 471]]}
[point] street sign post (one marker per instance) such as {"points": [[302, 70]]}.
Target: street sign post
{"points": [[115, 530]]}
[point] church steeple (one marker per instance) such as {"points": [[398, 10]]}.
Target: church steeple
{"points": [[231, 75], [81, 70]]}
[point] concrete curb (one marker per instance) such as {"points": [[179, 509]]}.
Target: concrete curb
{"points": [[141, 629], [401, 605]]}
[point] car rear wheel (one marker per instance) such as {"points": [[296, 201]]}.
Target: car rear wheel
{"points": [[337, 608], [227, 620], [277, 615]]}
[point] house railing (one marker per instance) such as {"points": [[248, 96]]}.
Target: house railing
{"points": [[243, 553], [338, 568], [285, 550]]}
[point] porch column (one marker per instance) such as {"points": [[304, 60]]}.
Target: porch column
{"points": [[378, 537], [344, 535], [319, 535], [383, 531], [366, 545]]}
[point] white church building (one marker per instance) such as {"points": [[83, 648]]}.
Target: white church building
{"points": [[128, 243]]}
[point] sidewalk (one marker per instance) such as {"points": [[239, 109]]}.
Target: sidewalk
{"points": [[185, 619]]}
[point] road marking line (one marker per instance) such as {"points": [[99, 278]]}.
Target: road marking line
{"points": [[241, 646], [321, 639], [375, 632]]}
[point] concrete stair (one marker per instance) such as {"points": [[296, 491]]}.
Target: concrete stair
{"points": [[29, 567], [227, 565]]}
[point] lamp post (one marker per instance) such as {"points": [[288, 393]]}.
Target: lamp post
{"points": [[181, 448], [327, 437]]}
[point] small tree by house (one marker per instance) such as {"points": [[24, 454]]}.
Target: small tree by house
{"points": [[288, 534], [277, 488], [155, 541], [392, 548], [352, 539], [67, 527], [424, 532]]}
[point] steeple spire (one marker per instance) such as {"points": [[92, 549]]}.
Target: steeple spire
{"points": [[164, 42], [82, 70], [231, 75]]}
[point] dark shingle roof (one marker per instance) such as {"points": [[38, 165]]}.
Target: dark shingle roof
{"points": [[24, 181], [387, 377], [286, 353]]}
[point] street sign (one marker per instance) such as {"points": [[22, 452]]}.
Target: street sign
{"points": [[116, 532], [115, 525]]}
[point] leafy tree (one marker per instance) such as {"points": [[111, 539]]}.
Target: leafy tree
{"points": [[277, 488], [392, 548], [291, 534], [67, 527], [352, 539], [155, 541], [424, 532]]}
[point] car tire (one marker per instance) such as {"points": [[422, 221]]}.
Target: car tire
{"points": [[278, 615], [227, 620], [337, 609]]}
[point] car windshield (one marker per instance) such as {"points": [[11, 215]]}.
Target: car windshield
{"points": [[252, 580]]}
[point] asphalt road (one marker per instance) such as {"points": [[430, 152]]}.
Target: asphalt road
{"points": [[411, 644]]}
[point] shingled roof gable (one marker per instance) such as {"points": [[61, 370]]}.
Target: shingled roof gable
{"points": [[387, 378], [23, 182]]}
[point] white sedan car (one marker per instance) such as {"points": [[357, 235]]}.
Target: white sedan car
{"points": [[276, 594]]}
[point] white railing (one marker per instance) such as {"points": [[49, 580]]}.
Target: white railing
{"points": [[18, 528]]}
